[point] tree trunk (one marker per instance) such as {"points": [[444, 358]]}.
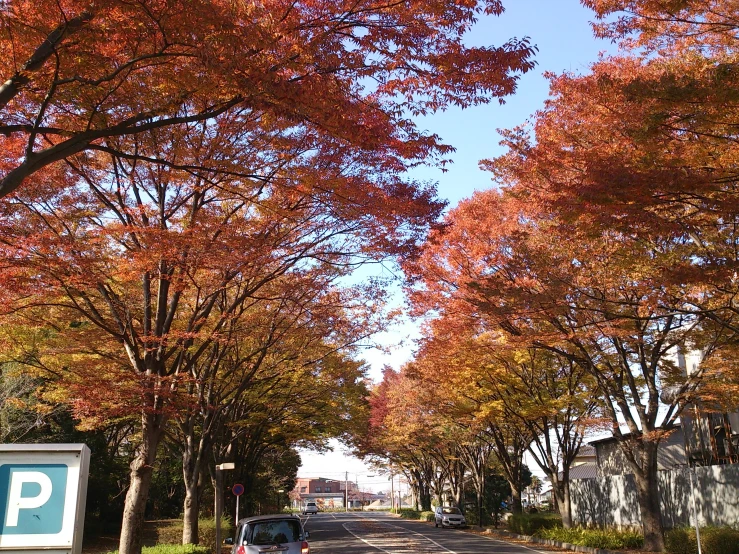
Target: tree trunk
{"points": [[192, 456], [562, 501], [190, 518], [516, 507], [142, 468], [479, 505], [425, 498], [648, 492], [458, 491]]}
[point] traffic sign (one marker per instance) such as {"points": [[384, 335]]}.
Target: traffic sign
{"points": [[43, 488], [237, 489]]}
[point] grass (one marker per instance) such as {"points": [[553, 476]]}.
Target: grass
{"points": [[172, 549]]}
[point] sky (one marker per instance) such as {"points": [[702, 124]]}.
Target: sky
{"points": [[561, 31]]}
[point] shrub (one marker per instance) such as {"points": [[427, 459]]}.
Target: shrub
{"points": [[528, 524], [172, 549], [427, 516], [681, 540], [714, 540], [408, 513], [608, 539], [171, 534]]}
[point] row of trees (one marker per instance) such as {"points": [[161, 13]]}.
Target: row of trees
{"points": [[419, 427], [186, 188], [563, 299]]}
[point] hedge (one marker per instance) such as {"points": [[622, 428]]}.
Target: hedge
{"points": [[408, 513], [608, 539], [528, 524], [714, 540]]}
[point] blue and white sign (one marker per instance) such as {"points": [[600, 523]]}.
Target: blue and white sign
{"points": [[42, 497]]}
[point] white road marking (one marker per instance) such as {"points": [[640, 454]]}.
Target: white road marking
{"points": [[401, 541]]}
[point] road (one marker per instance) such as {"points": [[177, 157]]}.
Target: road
{"points": [[372, 533]]}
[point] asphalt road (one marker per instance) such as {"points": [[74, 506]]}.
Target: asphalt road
{"points": [[371, 533]]}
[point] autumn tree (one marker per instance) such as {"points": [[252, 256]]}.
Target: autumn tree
{"points": [[642, 151], [548, 395], [401, 432], [81, 77], [555, 400], [584, 298], [279, 353], [148, 266]]}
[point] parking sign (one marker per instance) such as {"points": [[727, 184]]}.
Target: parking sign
{"points": [[42, 497]]}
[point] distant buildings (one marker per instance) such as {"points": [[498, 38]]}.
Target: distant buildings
{"points": [[330, 494]]}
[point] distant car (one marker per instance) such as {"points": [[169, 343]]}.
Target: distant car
{"points": [[282, 533], [448, 516], [310, 508]]}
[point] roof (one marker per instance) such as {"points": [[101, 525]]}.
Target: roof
{"points": [[586, 450], [583, 471], [268, 517], [677, 425]]}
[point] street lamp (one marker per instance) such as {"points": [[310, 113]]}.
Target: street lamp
{"points": [[279, 492], [219, 500]]}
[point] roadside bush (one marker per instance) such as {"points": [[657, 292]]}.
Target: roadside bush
{"points": [[408, 513], [427, 516], [608, 539], [171, 534], [714, 540], [528, 524], [172, 549]]}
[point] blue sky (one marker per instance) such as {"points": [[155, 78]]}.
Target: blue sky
{"points": [[561, 31]]}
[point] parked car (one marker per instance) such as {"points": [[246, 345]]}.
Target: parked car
{"points": [[449, 516], [310, 508], [282, 533]]}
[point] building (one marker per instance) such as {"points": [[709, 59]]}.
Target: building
{"points": [[331, 494], [326, 493]]}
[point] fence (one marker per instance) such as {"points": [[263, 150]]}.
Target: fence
{"points": [[611, 500]]}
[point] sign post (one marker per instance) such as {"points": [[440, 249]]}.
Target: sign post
{"points": [[238, 490], [43, 489], [219, 501]]}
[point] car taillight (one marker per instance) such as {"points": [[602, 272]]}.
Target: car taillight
{"points": [[241, 550], [304, 548]]}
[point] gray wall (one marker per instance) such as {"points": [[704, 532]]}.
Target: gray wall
{"points": [[611, 501]]}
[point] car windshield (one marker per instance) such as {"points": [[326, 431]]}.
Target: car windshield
{"points": [[273, 532], [451, 511]]}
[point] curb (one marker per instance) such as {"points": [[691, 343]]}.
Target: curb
{"points": [[549, 542]]}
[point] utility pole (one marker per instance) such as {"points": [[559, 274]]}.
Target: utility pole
{"points": [[346, 491], [392, 492]]}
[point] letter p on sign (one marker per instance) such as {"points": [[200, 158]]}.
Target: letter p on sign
{"points": [[18, 502], [34, 497]]}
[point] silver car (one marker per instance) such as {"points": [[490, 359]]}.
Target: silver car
{"points": [[281, 534], [449, 516]]}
